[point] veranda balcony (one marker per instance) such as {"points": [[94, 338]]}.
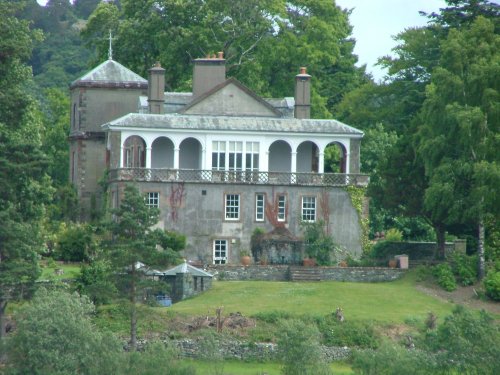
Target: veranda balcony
{"points": [[237, 177]]}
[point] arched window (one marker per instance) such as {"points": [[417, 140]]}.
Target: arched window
{"points": [[134, 152]]}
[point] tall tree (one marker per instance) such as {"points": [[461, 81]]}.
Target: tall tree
{"points": [[134, 241], [264, 42], [24, 186], [418, 57], [460, 126]]}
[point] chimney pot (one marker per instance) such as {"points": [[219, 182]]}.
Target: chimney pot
{"points": [[220, 55], [303, 70]]}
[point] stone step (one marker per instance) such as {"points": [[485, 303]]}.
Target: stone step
{"points": [[304, 274]]}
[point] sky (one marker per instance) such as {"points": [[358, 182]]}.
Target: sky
{"points": [[375, 22]]}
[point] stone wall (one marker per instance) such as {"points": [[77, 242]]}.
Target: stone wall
{"points": [[361, 274], [232, 349], [281, 273], [253, 272]]}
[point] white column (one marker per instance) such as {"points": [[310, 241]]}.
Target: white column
{"points": [[176, 158], [347, 162], [264, 163], [148, 157], [203, 158], [321, 163], [122, 162], [293, 167]]}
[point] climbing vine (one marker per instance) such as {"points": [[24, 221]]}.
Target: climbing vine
{"points": [[357, 195]]}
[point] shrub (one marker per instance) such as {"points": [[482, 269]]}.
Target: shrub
{"points": [[95, 281], [492, 285], [319, 245], [299, 348], [347, 333], [393, 360], [394, 235], [464, 267], [445, 277], [75, 243]]}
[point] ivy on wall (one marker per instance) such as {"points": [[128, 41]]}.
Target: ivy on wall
{"points": [[357, 195]]}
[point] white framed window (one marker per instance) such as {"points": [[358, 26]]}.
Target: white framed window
{"points": [[260, 206], [153, 199], [252, 156], [220, 252], [232, 207], [281, 207], [235, 156], [218, 155], [309, 209]]}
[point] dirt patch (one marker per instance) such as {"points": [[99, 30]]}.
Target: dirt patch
{"points": [[468, 296], [234, 322]]}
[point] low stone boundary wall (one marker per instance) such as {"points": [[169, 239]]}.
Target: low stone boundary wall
{"points": [[282, 273], [231, 349]]}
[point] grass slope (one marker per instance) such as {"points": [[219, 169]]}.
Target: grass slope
{"points": [[255, 368], [390, 302]]}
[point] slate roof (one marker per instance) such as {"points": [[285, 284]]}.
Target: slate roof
{"points": [[110, 73], [231, 123], [176, 101], [186, 268]]}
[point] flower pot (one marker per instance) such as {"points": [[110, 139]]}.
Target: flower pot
{"points": [[393, 263], [246, 260], [309, 262]]}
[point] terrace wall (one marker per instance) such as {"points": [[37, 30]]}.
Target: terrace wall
{"points": [[282, 273]]}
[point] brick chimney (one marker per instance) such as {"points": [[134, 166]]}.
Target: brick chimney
{"points": [[208, 72], [156, 89], [303, 94]]}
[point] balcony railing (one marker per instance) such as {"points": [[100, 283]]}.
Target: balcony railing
{"points": [[237, 177]]}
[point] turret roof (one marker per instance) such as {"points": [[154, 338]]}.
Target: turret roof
{"points": [[110, 72]]}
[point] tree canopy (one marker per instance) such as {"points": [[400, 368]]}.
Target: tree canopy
{"points": [[25, 187], [264, 42]]}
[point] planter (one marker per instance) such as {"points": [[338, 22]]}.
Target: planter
{"points": [[246, 260], [393, 263], [309, 262], [343, 264]]}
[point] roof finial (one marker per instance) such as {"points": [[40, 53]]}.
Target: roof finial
{"points": [[110, 51]]}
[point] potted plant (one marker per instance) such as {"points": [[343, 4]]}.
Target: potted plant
{"points": [[393, 263], [245, 258], [309, 262], [263, 260]]}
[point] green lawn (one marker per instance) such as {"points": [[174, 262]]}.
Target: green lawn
{"points": [[256, 368], [389, 302], [70, 271]]}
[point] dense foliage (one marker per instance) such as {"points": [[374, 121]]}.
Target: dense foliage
{"points": [[264, 42], [55, 336], [465, 343], [24, 186]]}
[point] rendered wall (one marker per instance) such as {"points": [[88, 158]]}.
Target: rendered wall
{"points": [[197, 210]]}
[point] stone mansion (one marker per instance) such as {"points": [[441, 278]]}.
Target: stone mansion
{"points": [[218, 162]]}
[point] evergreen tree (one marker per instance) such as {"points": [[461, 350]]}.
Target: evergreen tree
{"points": [[24, 186], [133, 242]]}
